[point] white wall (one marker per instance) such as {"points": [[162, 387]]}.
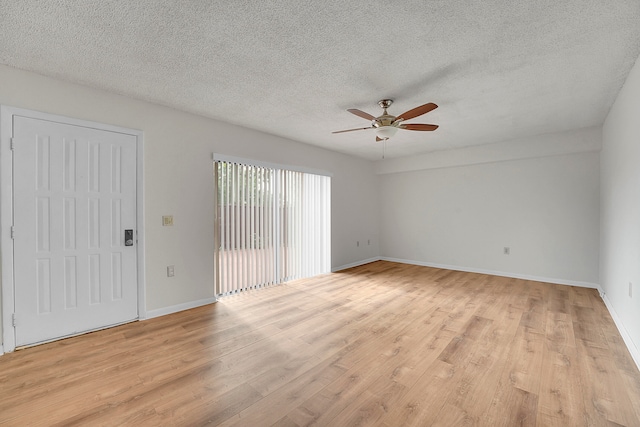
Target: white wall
{"points": [[178, 179], [545, 209], [620, 210]]}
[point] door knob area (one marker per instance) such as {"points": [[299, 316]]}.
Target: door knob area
{"points": [[128, 237]]}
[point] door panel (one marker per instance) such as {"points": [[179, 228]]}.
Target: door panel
{"points": [[74, 195]]}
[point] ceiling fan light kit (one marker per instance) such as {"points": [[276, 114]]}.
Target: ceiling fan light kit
{"points": [[386, 132], [387, 125]]}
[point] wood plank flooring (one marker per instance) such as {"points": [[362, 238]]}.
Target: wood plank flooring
{"points": [[382, 344]]}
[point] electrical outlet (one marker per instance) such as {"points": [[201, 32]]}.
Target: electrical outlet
{"points": [[171, 271], [167, 221], [507, 250]]}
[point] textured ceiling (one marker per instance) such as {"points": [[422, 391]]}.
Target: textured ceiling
{"points": [[497, 69]]}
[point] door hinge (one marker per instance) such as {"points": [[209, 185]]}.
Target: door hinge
{"points": [[13, 232], [12, 143], [13, 320]]}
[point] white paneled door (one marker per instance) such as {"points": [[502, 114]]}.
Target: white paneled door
{"points": [[74, 229]]}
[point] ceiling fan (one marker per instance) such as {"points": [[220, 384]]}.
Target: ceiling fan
{"points": [[387, 125]]}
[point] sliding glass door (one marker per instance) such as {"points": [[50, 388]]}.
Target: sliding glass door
{"points": [[272, 225]]}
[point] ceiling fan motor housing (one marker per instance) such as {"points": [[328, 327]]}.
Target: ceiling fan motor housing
{"points": [[385, 119]]}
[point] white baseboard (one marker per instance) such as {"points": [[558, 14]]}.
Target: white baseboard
{"points": [[635, 354], [179, 307], [355, 264], [497, 273]]}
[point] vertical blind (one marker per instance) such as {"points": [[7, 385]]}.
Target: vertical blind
{"points": [[272, 225]]}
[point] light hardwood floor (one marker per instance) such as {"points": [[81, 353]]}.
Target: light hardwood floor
{"points": [[382, 344]]}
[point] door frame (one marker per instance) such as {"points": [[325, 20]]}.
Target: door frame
{"points": [[7, 294]]}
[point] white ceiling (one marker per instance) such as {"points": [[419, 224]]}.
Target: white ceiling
{"points": [[498, 69]]}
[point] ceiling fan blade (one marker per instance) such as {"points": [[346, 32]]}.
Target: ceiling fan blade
{"points": [[360, 113], [418, 126], [418, 111], [351, 130]]}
